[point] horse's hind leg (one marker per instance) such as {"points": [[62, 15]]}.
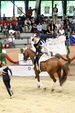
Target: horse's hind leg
{"points": [[54, 80], [59, 75]]}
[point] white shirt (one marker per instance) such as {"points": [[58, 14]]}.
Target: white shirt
{"points": [[11, 31], [58, 26], [11, 39], [61, 31], [1, 69]]}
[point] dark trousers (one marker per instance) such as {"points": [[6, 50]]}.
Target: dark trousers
{"points": [[7, 84], [37, 58]]}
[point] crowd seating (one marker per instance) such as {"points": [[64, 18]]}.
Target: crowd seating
{"points": [[25, 38], [19, 43], [21, 25]]}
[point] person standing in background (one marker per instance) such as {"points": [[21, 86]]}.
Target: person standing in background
{"points": [[29, 12], [74, 13], [55, 13]]}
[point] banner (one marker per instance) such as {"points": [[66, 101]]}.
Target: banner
{"points": [[57, 45], [24, 71], [72, 40]]}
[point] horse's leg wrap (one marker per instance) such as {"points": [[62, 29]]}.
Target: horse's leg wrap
{"points": [[37, 81], [52, 86], [39, 84], [60, 88]]}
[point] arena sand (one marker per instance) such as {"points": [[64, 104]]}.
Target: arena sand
{"points": [[28, 98]]}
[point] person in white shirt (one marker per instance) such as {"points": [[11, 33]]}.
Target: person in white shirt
{"points": [[61, 31], [11, 41], [39, 27], [58, 25]]}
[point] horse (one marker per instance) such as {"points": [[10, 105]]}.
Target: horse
{"points": [[51, 66]]}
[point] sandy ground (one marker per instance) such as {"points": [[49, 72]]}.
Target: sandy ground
{"points": [[28, 98]]}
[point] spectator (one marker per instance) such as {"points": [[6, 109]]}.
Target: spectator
{"points": [[48, 21], [67, 24], [34, 27], [7, 21], [66, 21], [1, 21], [32, 21], [72, 26], [61, 31], [13, 21], [42, 19], [20, 23], [10, 26], [33, 24], [17, 30], [58, 25], [44, 27], [52, 26], [61, 21], [5, 29], [67, 30], [11, 41], [23, 19], [39, 27], [5, 42], [27, 26], [29, 12], [48, 30], [56, 30], [1, 28], [55, 13]]}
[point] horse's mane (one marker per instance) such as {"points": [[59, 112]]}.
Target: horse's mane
{"points": [[31, 50]]}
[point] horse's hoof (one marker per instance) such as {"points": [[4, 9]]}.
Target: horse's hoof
{"points": [[60, 89], [44, 89], [52, 90], [38, 86]]}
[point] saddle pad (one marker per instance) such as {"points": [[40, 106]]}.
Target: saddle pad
{"points": [[44, 57]]}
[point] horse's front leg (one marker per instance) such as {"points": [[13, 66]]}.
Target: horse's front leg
{"points": [[37, 78]]}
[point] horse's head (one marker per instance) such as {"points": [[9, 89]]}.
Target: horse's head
{"points": [[28, 52], [25, 53]]}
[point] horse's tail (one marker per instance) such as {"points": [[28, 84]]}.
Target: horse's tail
{"points": [[65, 72]]}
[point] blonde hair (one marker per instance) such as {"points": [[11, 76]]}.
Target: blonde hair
{"points": [[3, 64]]}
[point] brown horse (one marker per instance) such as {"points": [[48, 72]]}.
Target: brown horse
{"points": [[51, 66]]}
